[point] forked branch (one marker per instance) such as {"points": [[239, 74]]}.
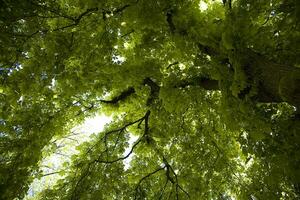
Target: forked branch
{"points": [[145, 118], [138, 186]]}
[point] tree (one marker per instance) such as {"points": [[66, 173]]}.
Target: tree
{"points": [[210, 88]]}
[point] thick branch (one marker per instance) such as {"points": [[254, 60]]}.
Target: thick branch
{"points": [[154, 92], [208, 84], [170, 22], [208, 50], [120, 97], [203, 82], [275, 82], [118, 10], [172, 64]]}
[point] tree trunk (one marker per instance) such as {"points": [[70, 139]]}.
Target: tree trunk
{"points": [[276, 82]]}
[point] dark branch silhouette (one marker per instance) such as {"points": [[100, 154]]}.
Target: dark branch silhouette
{"points": [[172, 64], [120, 97], [78, 19], [138, 186], [127, 34], [146, 130], [154, 90], [170, 22], [207, 84]]}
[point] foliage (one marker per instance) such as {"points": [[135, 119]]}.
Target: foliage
{"points": [[212, 92]]}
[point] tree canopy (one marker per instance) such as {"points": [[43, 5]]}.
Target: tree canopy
{"points": [[210, 88]]}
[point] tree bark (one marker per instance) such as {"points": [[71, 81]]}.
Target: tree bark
{"points": [[276, 82]]}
